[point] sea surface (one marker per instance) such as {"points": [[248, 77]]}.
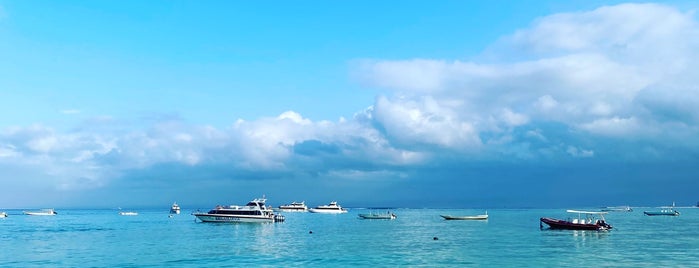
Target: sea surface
{"points": [[417, 238]]}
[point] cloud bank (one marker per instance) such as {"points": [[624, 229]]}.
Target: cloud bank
{"points": [[613, 84]]}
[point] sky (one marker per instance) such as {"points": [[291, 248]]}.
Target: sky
{"points": [[449, 104]]}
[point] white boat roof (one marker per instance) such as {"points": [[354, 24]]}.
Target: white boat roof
{"points": [[586, 212]]}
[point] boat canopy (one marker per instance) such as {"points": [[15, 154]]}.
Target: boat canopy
{"points": [[587, 212]]}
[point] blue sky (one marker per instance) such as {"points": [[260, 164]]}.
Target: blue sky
{"points": [[440, 104]]}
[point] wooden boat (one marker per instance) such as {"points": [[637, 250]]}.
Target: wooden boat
{"points": [[378, 216], [586, 220], [471, 217], [663, 212]]}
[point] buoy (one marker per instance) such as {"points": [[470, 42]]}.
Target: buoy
{"points": [[435, 238]]}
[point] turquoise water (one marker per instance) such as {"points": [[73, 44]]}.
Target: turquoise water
{"points": [[510, 238]]}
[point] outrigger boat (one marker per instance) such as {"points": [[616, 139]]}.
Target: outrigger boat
{"points": [[472, 217], [586, 220], [665, 211], [378, 216]]}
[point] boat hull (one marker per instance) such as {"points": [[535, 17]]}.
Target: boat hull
{"points": [[476, 217], [205, 217], [566, 225]]}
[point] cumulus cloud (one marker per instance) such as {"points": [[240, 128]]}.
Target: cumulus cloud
{"points": [[580, 82], [614, 72]]}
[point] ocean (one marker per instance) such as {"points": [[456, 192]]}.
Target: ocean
{"points": [[417, 238]]}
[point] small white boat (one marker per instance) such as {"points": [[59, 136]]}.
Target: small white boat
{"points": [[175, 209], [378, 216], [294, 207], [128, 213], [470, 217], [617, 209], [43, 212], [332, 208], [3, 214]]}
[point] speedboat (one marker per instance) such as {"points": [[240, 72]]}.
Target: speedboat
{"points": [[175, 209], [469, 217], [254, 211], [378, 216], [294, 207], [332, 208], [43, 212], [586, 220], [3, 214]]}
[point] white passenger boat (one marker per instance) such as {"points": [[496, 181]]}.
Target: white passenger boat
{"points": [[254, 211], [332, 208], [175, 209], [43, 212], [128, 213], [294, 207]]}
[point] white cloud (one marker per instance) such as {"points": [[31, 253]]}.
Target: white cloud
{"points": [[8, 151], [577, 152], [424, 121], [615, 126], [416, 75], [614, 72], [513, 119], [546, 103]]}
